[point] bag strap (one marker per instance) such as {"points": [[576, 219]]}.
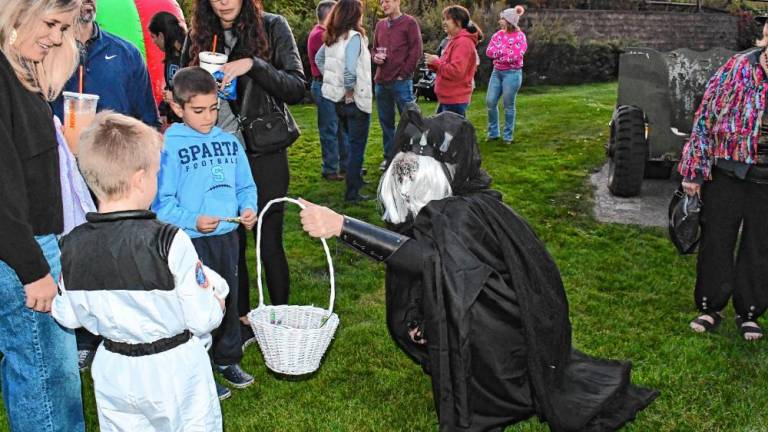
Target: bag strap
{"points": [[258, 254]]}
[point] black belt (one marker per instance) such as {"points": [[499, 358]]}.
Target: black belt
{"points": [[320, 78], [149, 348]]}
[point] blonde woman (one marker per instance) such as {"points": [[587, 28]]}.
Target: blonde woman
{"points": [[41, 383]]}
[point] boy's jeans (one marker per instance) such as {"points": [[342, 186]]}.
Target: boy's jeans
{"points": [[388, 95], [503, 83], [40, 378], [334, 144]]}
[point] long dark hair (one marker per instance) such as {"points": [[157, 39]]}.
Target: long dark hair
{"points": [[249, 27], [460, 15], [166, 24], [345, 16]]}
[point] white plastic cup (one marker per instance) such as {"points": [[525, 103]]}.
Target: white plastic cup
{"points": [[212, 61], [79, 111]]}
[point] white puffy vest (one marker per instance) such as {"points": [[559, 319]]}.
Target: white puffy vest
{"points": [[333, 73]]}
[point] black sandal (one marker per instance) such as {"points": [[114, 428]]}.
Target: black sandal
{"points": [[751, 328], [708, 326]]}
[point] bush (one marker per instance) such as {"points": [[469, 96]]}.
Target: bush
{"points": [[564, 63]]}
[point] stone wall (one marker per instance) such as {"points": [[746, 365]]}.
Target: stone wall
{"points": [[661, 30]]}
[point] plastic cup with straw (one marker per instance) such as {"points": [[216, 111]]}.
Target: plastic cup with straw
{"points": [[79, 111]]}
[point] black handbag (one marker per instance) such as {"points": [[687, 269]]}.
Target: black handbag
{"points": [[684, 220], [271, 132]]}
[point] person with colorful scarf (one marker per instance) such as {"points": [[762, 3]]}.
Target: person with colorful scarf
{"points": [[725, 162]]}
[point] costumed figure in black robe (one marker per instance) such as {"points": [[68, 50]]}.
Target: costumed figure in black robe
{"points": [[472, 294]]}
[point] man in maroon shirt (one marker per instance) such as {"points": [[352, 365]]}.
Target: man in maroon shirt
{"points": [[333, 143], [397, 51]]}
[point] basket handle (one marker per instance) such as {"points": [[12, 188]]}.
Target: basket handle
{"points": [[258, 253]]}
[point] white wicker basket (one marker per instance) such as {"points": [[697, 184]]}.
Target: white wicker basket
{"points": [[292, 338]]}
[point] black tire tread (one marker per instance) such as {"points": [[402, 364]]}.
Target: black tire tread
{"points": [[629, 152]]}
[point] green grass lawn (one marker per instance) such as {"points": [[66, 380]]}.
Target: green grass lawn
{"points": [[630, 294]]}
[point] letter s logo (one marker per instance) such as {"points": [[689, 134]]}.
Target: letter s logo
{"points": [[218, 173]]}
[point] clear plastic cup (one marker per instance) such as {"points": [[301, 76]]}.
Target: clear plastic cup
{"points": [[212, 61], [79, 111], [381, 52]]}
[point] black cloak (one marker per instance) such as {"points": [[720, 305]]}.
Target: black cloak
{"points": [[491, 304]]}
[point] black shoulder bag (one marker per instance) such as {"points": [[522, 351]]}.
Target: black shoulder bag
{"points": [[273, 131]]}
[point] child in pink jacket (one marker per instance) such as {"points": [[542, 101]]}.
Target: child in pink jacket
{"points": [[506, 48]]}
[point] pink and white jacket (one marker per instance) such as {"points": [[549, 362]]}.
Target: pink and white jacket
{"points": [[507, 49]]}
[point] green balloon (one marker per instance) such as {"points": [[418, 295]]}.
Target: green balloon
{"points": [[121, 18]]}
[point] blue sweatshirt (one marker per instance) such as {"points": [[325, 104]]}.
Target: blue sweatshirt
{"points": [[114, 70], [203, 174]]}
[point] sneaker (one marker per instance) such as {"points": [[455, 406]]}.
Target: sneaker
{"points": [[222, 391], [247, 336], [85, 358], [235, 375], [357, 198], [333, 176], [383, 165]]}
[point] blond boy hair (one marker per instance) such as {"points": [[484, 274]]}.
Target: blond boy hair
{"points": [[113, 149]]}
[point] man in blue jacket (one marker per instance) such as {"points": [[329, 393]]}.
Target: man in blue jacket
{"points": [[113, 69]]}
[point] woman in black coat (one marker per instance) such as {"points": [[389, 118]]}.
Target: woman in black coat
{"points": [[40, 380], [264, 60]]}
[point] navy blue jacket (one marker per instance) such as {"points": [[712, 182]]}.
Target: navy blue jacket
{"points": [[114, 70]]}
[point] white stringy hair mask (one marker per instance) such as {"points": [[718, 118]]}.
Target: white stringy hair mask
{"points": [[410, 183]]}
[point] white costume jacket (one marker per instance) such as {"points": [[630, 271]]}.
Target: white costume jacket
{"points": [[139, 284]]}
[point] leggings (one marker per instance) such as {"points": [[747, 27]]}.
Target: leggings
{"points": [[270, 173]]}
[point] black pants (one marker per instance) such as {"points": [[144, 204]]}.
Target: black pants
{"points": [[270, 173], [730, 203], [220, 253]]}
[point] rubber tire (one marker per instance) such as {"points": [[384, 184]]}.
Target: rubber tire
{"points": [[628, 152]]}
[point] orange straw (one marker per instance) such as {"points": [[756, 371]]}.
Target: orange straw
{"points": [[214, 43], [81, 79]]}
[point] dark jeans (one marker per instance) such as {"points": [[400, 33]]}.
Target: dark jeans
{"points": [[356, 124], [220, 253], [727, 204], [460, 109], [389, 95], [270, 172], [40, 380], [333, 142]]}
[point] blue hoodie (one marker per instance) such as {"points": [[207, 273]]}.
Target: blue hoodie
{"points": [[203, 174]]}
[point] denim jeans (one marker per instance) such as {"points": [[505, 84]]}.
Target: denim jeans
{"points": [[388, 95], [356, 124], [460, 109], [40, 379], [503, 83], [334, 145]]}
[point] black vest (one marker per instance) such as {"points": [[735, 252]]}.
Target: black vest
{"points": [[118, 251]]}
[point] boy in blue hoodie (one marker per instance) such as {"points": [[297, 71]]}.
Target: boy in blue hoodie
{"points": [[206, 188]]}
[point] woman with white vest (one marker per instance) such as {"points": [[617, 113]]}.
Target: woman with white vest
{"points": [[345, 63]]}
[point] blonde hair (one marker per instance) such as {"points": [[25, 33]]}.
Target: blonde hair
{"points": [[113, 149], [49, 76]]}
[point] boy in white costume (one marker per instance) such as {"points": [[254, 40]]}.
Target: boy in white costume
{"points": [[139, 284]]}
